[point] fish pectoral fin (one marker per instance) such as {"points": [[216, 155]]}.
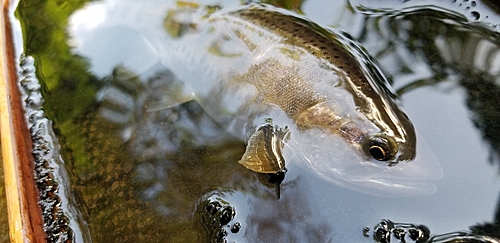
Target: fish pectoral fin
{"points": [[263, 153]]}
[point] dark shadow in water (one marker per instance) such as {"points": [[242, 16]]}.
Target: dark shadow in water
{"points": [[451, 49]]}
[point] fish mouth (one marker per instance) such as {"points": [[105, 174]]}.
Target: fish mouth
{"points": [[405, 179], [339, 163]]}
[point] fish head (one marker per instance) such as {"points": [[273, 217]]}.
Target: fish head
{"points": [[393, 138], [386, 136], [357, 152]]}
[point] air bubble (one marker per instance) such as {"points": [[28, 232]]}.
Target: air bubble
{"points": [[473, 3], [388, 231], [236, 228], [475, 15]]}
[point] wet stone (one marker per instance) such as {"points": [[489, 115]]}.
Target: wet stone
{"points": [[216, 215]]}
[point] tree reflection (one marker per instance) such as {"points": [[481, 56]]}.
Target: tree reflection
{"points": [[443, 51], [446, 48], [491, 228]]}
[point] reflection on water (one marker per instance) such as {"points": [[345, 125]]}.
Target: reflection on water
{"points": [[433, 43], [143, 177], [483, 12], [450, 52], [172, 174]]}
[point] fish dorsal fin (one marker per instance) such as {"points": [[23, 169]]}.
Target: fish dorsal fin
{"points": [[263, 153]]}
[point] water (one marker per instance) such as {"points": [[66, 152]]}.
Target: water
{"points": [[171, 175]]}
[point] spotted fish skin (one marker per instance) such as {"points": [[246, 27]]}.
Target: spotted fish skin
{"points": [[256, 64]]}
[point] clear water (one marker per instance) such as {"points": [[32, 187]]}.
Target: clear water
{"points": [[171, 175]]}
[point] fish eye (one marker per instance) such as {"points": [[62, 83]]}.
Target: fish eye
{"points": [[378, 152], [381, 147]]}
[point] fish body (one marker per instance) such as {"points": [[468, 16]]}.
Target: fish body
{"points": [[275, 79]]}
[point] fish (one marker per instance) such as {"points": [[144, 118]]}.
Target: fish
{"points": [[270, 62], [295, 91]]}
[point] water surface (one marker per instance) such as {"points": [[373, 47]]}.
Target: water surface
{"points": [[172, 174]]}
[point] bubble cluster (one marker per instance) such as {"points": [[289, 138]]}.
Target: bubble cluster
{"points": [[387, 231], [49, 177], [216, 215], [473, 11], [468, 6]]}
